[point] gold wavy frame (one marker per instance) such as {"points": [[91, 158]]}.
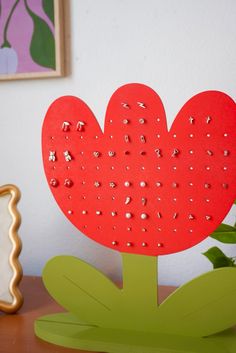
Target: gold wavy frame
{"points": [[17, 299]]}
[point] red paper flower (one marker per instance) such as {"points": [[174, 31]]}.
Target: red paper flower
{"points": [[138, 188]]}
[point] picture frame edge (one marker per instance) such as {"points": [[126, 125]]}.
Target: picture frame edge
{"points": [[17, 298]]}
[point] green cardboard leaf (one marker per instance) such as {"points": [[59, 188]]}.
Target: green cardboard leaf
{"points": [[81, 289], [42, 46], [225, 234], [204, 306], [218, 258], [48, 6], [65, 330]]}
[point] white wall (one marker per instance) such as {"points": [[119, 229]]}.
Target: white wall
{"points": [[179, 48]]}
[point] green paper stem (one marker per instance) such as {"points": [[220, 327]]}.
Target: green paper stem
{"points": [[140, 281], [6, 43]]}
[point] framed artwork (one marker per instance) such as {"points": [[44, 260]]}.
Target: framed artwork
{"points": [[10, 247], [31, 39]]}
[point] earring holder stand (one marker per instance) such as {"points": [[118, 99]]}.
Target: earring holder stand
{"points": [[166, 206]]}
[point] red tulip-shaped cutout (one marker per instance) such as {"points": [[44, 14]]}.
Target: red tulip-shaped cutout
{"points": [[142, 190], [137, 187]]}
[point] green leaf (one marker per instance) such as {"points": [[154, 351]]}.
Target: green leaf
{"points": [[218, 258], [203, 306], [65, 329], [42, 46], [225, 234], [81, 289], [48, 6]]}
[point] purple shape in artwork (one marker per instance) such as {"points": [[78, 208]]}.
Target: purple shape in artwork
{"points": [[20, 32], [8, 61]]}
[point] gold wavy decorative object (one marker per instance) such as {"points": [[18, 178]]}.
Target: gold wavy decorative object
{"points": [[17, 298]]}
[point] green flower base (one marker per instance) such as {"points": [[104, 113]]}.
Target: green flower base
{"points": [[196, 318], [65, 330]]}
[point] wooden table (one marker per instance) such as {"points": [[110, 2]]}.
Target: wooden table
{"points": [[17, 331]]}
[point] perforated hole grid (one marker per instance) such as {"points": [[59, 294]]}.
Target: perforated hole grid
{"points": [[145, 190]]}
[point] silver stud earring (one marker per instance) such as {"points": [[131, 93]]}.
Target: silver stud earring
{"points": [[65, 126], [52, 156], [80, 126], [208, 119], [226, 153], [68, 183], [144, 216], [142, 139], [127, 200], [125, 105], [158, 152], [175, 153], [67, 156], [191, 120], [144, 201], [96, 154], [127, 139], [141, 121], [54, 182], [141, 105]]}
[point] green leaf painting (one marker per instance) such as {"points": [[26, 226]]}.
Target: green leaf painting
{"points": [[48, 6], [42, 46]]}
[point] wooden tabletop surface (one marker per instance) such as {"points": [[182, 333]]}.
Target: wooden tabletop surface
{"points": [[17, 331]]}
